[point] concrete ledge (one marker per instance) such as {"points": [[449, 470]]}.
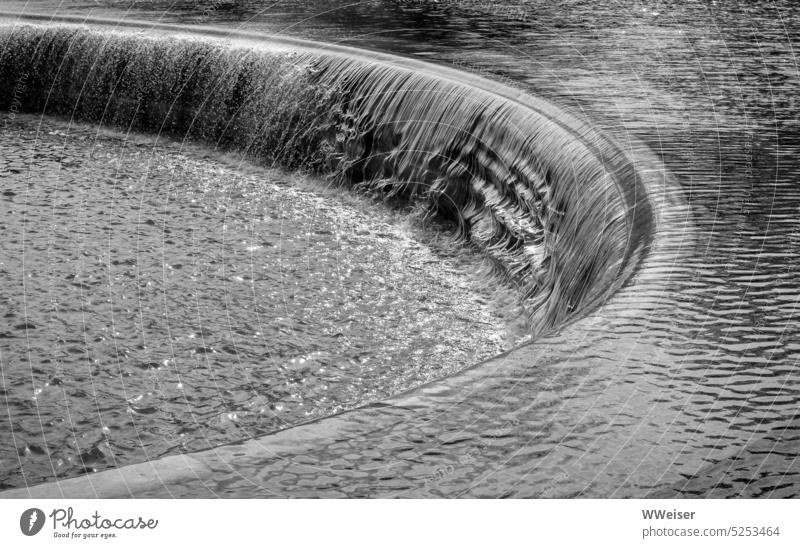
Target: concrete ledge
{"points": [[122, 482]]}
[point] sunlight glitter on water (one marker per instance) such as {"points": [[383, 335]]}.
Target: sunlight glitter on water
{"points": [[159, 300]]}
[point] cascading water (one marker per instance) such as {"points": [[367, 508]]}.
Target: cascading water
{"points": [[556, 206]]}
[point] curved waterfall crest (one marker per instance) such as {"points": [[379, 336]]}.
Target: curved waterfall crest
{"points": [[556, 205]]}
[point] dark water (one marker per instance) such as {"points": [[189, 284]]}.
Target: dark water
{"points": [[156, 300], [686, 383]]}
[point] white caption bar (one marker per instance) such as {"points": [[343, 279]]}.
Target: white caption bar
{"points": [[389, 523]]}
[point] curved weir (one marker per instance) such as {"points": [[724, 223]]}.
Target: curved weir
{"points": [[558, 207]]}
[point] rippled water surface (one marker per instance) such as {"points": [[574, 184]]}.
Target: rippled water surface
{"points": [[687, 382], [156, 300]]}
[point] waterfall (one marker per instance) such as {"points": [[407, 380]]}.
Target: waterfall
{"points": [[556, 205]]}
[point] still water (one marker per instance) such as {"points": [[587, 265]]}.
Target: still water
{"points": [[687, 382]]}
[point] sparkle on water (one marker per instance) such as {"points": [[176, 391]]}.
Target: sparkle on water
{"points": [[157, 300]]}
